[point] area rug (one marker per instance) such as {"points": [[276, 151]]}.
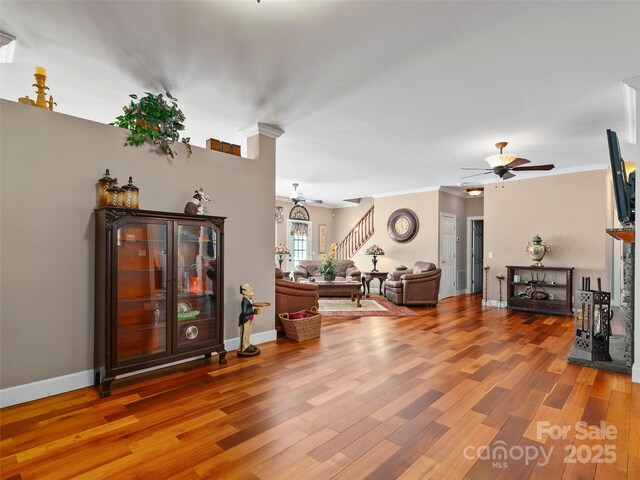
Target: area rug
{"points": [[371, 307]]}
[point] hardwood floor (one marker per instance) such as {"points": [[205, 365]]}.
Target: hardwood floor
{"points": [[377, 398]]}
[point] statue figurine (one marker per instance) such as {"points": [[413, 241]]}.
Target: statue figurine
{"points": [[247, 311], [195, 206]]}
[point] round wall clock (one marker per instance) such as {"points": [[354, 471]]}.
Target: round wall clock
{"points": [[402, 225]]}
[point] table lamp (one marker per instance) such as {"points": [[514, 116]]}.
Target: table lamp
{"points": [[375, 251], [280, 251]]}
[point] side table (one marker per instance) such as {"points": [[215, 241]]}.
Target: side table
{"points": [[366, 281]]}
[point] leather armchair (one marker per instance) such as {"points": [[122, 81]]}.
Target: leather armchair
{"points": [[293, 297], [418, 286]]}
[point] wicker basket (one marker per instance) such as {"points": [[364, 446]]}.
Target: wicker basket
{"points": [[302, 329]]}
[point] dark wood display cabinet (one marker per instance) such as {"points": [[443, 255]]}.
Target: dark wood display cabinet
{"points": [[535, 283], [159, 290]]}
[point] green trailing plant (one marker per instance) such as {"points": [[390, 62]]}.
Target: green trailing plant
{"points": [[153, 118]]}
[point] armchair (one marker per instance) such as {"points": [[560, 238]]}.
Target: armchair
{"points": [[293, 297], [419, 286]]}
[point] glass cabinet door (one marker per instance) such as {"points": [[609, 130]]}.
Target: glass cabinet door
{"points": [[197, 284], [141, 283]]}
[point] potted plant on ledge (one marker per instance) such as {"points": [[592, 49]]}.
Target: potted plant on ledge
{"points": [[153, 118]]}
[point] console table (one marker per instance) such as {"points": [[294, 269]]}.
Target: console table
{"points": [[556, 281], [368, 276]]}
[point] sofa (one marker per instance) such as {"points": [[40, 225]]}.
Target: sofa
{"points": [[293, 297], [418, 286], [308, 269]]}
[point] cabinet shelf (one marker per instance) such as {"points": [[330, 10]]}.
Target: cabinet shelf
{"points": [[141, 240], [139, 270], [141, 299], [539, 284]]}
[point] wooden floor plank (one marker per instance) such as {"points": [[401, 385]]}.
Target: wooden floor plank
{"points": [[373, 397]]}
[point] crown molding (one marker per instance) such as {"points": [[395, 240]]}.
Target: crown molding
{"points": [[406, 192], [453, 191], [262, 129]]}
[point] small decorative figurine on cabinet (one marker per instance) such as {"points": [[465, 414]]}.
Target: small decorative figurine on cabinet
{"points": [[247, 312], [195, 206]]}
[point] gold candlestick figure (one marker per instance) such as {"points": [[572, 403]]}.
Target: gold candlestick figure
{"points": [[41, 89]]}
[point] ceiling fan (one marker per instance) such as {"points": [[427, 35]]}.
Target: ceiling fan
{"points": [[298, 197], [504, 164]]}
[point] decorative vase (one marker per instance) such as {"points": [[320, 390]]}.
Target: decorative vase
{"points": [[103, 184], [131, 195], [329, 277], [536, 250]]}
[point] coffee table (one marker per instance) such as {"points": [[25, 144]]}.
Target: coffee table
{"points": [[337, 288]]}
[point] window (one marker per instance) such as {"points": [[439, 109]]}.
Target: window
{"points": [[299, 241]]}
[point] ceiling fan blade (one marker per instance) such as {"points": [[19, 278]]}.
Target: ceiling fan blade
{"points": [[477, 174], [312, 201], [518, 161], [549, 166], [470, 168], [507, 176]]}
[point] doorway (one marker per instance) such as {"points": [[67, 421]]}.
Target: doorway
{"points": [[447, 255], [475, 253]]}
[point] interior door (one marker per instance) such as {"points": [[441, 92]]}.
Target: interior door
{"points": [[477, 255], [447, 254]]}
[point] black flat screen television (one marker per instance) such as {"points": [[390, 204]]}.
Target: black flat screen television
{"points": [[624, 190]]}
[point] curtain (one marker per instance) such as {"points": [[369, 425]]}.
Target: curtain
{"points": [[299, 229]]}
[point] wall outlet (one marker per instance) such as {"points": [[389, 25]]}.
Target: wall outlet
{"points": [[490, 254]]}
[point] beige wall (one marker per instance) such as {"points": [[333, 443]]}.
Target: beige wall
{"points": [[423, 247], [49, 166], [475, 207], [568, 211], [345, 218], [318, 216]]}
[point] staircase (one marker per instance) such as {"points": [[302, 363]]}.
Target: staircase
{"points": [[357, 237]]}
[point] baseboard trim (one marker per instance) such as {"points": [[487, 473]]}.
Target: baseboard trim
{"points": [[256, 339], [45, 388], [494, 303], [635, 373], [73, 381]]}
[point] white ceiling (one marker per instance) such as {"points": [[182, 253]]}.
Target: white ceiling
{"points": [[374, 96]]}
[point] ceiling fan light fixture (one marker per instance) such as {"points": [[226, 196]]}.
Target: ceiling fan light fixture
{"points": [[475, 191], [500, 160]]}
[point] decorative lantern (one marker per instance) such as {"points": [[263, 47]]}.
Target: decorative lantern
{"points": [[536, 250], [131, 194], [103, 184], [115, 195]]}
